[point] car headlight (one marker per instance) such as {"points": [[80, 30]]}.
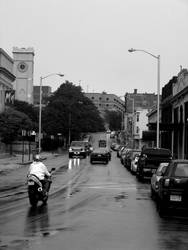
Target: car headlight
{"points": [[70, 149]]}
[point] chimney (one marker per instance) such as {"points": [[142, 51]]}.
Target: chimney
{"points": [[135, 91]]}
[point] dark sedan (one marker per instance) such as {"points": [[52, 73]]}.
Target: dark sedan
{"points": [[173, 186], [99, 155]]}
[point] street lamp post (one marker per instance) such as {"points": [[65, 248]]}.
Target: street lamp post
{"points": [[158, 86], [40, 105]]}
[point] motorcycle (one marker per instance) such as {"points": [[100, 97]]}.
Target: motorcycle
{"points": [[36, 191]]}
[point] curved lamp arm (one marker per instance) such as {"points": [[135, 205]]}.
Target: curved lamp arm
{"points": [[133, 50], [61, 75]]}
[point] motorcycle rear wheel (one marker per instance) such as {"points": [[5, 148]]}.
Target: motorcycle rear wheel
{"points": [[33, 200]]}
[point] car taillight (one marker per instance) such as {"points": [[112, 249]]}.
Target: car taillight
{"points": [[166, 182]]}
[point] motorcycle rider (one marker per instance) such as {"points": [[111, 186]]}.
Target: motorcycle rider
{"points": [[39, 170]]}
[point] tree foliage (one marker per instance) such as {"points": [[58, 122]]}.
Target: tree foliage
{"points": [[11, 124], [114, 119], [68, 108], [29, 109]]}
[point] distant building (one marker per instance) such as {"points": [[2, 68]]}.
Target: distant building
{"points": [[110, 102], [104, 101], [23, 70], [174, 126], [140, 121], [6, 79], [46, 92], [140, 100], [137, 107]]}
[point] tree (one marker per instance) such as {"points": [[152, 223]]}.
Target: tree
{"points": [[11, 124], [29, 109], [68, 108], [114, 119]]}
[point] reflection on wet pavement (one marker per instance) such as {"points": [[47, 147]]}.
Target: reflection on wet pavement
{"points": [[37, 221], [108, 205]]}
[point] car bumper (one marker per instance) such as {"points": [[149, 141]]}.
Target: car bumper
{"points": [[99, 159], [77, 154], [148, 172], [175, 200]]}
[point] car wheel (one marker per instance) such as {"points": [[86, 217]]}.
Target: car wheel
{"points": [[70, 156], [153, 195], [139, 177], [91, 161], [161, 207]]}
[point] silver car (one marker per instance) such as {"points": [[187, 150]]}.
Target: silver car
{"points": [[134, 164], [155, 179]]}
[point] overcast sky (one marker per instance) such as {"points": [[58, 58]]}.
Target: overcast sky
{"points": [[88, 40]]}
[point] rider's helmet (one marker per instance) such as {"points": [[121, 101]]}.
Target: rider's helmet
{"points": [[37, 157]]}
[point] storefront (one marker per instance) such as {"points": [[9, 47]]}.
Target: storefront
{"points": [[6, 79]]}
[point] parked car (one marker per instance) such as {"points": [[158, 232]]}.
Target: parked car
{"points": [[155, 179], [99, 155], [121, 147], [123, 155], [173, 186], [134, 163], [149, 161], [129, 157], [78, 148], [116, 147], [113, 145]]}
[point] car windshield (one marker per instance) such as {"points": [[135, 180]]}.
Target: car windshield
{"points": [[162, 167], [181, 170], [77, 144]]}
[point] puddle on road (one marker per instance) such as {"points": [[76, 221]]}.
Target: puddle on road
{"points": [[121, 196]]}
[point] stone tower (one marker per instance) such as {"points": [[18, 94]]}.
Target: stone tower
{"points": [[23, 70]]}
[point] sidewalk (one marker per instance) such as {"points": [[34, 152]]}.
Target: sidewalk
{"points": [[9, 162]]}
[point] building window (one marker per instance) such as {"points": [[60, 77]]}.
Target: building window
{"points": [[107, 98], [137, 129], [92, 97], [107, 105], [100, 98], [137, 117]]}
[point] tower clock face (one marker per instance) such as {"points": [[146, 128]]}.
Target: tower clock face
{"points": [[22, 66]]}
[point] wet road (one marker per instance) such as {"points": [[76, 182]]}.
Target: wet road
{"points": [[91, 207]]}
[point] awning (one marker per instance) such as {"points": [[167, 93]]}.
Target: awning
{"points": [[165, 126], [149, 135]]}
